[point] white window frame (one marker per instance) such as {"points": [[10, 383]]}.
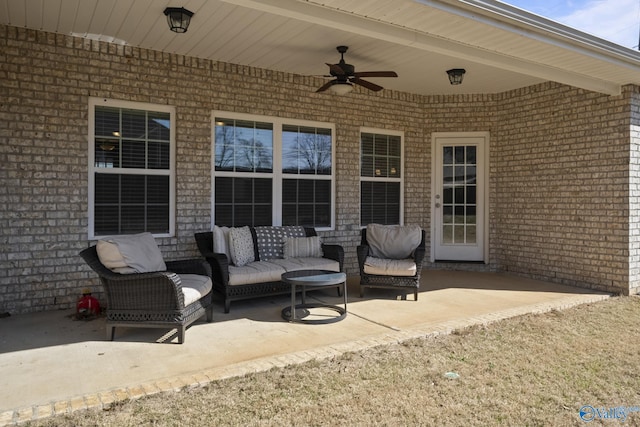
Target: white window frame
{"points": [[103, 102], [277, 175], [382, 179]]}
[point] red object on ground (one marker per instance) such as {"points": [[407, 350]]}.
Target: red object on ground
{"points": [[87, 306]]}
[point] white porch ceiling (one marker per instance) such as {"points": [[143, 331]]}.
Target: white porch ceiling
{"points": [[500, 46]]}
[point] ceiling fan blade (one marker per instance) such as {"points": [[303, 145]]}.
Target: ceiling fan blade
{"points": [[325, 86], [371, 86], [376, 74], [336, 69]]}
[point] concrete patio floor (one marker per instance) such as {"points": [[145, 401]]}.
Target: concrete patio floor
{"points": [[52, 364]]}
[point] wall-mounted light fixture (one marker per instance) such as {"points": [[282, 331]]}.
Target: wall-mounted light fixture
{"points": [[178, 18], [456, 75]]}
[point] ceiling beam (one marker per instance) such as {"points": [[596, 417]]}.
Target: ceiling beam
{"points": [[332, 18]]}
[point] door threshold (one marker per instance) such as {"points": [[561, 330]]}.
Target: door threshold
{"points": [[460, 265]]}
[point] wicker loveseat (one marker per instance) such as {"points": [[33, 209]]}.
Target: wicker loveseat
{"points": [[274, 252], [175, 297], [391, 257]]}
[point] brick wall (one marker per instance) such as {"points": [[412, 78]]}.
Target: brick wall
{"points": [[634, 192], [558, 199], [561, 173], [462, 113], [46, 82]]}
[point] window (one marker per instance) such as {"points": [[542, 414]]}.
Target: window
{"points": [[381, 184], [131, 158], [306, 166], [270, 171]]}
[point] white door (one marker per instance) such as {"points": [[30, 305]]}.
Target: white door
{"points": [[459, 196]]}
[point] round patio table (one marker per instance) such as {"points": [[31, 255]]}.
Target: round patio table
{"points": [[309, 280]]}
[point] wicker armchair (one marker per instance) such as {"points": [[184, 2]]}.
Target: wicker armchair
{"points": [[390, 281], [150, 300]]}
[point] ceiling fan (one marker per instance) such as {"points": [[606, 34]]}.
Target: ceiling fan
{"points": [[345, 75]]}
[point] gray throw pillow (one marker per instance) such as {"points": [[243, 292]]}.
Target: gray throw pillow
{"points": [[302, 247], [241, 246]]}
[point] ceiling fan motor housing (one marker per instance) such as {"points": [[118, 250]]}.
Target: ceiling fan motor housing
{"points": [[347, 69]]}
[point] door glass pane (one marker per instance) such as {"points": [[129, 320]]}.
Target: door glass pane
{"points": [[459, 177], [471, 175], [459, 195], [458, 155], [447, 195], [471, 194], [458, 234], [471, 234], [471, 155], [471, 215], [447, 234], [447, 214], [447, 174], [458, 214], [447, 156]]}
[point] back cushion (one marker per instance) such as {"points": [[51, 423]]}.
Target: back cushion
{"points": [[136, 253], [221, 241], [270, 240], [241, 246], [302, 247], [393, 241]]}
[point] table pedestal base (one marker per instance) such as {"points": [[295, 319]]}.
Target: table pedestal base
{"points": [[302, 312]]}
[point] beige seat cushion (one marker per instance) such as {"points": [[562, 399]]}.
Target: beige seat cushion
{"points": [[307, 263], [390, 267], [194, 287], [255, 272]]}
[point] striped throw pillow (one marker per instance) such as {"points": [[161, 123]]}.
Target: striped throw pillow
{"points": [[302, 247]]}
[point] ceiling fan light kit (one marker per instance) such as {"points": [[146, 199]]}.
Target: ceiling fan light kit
{"points": [[346, 76], [341, 88]]}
